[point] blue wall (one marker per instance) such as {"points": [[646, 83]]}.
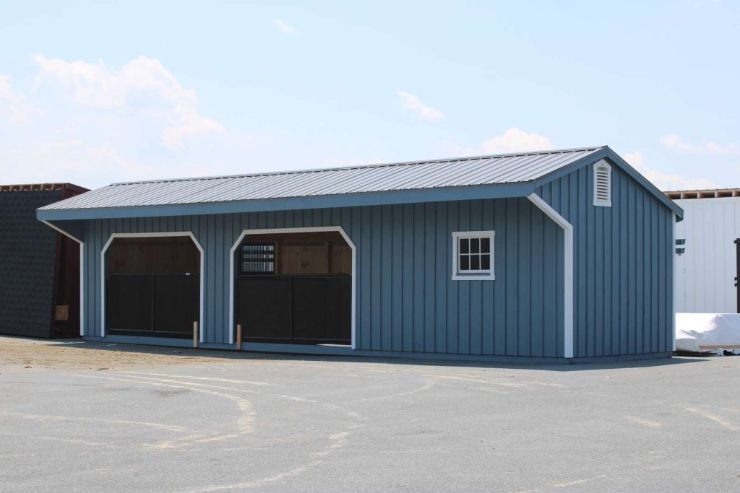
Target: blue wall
{"points": [[406, 299], [623, 265], [407, 302]]}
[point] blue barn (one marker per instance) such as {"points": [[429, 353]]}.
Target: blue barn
{"points": [[548, 256]]}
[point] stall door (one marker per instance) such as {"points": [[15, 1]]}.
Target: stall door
{"points": [[294, 289], [152, 287]]}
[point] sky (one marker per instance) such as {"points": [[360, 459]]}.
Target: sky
{"points": [[99, 92]]}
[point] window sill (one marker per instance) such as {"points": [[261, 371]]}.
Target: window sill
{"points": [[473, 277]]}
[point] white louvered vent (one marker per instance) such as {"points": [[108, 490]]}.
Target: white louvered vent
{"points": [[602, 184]]}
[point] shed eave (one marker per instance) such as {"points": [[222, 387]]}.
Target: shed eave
{"points": [[494, 191]]}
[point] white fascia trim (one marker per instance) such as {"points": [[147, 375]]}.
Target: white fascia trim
{"points": [[316, 229], [568, 270], [113, 236], [68, 235], [82, 272], [479, 276]]}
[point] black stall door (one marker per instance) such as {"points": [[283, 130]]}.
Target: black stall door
{"points": [[299, 309], [154, 305]]}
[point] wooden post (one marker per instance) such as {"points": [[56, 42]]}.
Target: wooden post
{"points": [[195, 334], [239, 337]]}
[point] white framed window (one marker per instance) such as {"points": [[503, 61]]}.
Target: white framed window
{"points": [[472, 255], [602, 184]]}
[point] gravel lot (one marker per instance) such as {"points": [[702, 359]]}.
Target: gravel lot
{"points": [[78, 416]]}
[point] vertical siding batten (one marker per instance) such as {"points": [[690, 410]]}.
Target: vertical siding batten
{"points": [[440, 336], [475, 307], [397, 279]]}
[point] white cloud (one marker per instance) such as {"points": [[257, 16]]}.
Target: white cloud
{"points": [[70, 160], [423, 111], [285, 28], [143, 87], [677, 144], [515, 140], [666, 181], [92, 125], [13, 105]]}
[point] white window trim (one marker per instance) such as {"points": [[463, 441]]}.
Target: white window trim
{"points": [[472, 275], [597, 201]]}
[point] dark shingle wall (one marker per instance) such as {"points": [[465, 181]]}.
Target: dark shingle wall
{"points": [[27, 255]]}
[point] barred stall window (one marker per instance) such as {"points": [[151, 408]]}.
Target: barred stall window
{"points": [[473, 255], [258, 258]]}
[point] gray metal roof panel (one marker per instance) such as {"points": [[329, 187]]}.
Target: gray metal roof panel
{"points": [[415, 175]]}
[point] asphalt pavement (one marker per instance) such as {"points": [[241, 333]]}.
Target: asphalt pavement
{"points": [[279, 423]]}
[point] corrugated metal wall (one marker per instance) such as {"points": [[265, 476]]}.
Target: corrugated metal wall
{"points": [[406, 300], [705, 274], [623, 265]]}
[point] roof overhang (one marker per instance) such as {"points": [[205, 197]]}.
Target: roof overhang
{"points": [[472, 192], [497, 191]]}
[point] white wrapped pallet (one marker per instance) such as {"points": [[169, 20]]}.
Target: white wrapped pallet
{"points": [[708, 332]]}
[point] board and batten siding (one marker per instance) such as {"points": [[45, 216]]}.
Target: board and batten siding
{"points": [[623, 274], [406, 299]]}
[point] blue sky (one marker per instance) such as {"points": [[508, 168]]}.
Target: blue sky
{"points": [[96, 92]]}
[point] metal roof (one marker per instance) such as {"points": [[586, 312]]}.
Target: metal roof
{"points": [[415, 175]]}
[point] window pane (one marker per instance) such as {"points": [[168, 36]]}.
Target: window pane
{"points": [[485, 245], [474, 262], [464, 245], [485, 262], [474, 245], [464, 262]]}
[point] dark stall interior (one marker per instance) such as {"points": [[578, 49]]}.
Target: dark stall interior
{"points": [[66, 319], [294, 288], [152, 287]]}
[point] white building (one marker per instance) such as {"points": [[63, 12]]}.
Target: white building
{"points": [[706, 270]]}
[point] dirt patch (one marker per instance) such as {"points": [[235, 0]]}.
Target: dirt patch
{"points": [[78, 354]]}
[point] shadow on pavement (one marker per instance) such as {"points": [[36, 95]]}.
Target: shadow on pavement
{"points": [[421, 360]]}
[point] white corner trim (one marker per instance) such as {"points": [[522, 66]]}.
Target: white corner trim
{"points": [[113, 236], [316, 229], [475, 276], [568, 270], [82, 272], [673, 279]]}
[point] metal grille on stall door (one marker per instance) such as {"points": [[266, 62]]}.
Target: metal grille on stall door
{"points": [[258, 258]]}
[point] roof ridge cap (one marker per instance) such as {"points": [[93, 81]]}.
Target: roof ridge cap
{"points": [[362, 166]]}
